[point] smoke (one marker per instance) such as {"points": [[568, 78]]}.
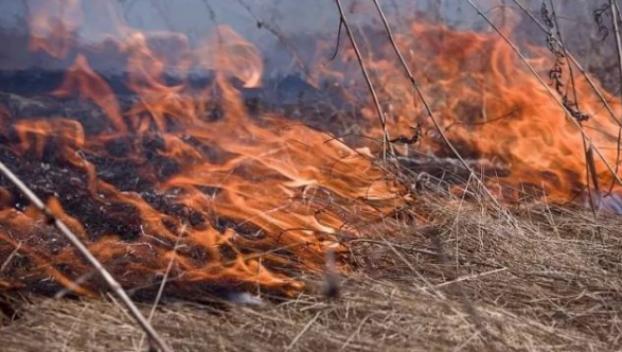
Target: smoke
{"points": [[278, 27]]}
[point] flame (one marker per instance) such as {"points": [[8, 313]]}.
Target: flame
{"points": [[498, 110], [181, 173], [185, 173], [232, 56], [492, 108], [53, 24], [82, 80]]}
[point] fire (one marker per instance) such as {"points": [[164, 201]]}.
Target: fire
{"points": [[493, 108], [499, 111], [182, 173], [53, 24], [186, 173], [82, 80]]}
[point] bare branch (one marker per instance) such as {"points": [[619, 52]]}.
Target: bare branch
{"points": [[576, 63], [75, 241], [381, 115]]}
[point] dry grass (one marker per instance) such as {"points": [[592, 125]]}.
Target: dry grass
{"points": [[548, 280]]}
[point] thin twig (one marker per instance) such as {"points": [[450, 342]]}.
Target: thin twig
{"points": [[302, 332], [576, 63], [429, 285], [158, 297], [75, 241], [10, 257], [343, 19], [278, 34], [590, 167], [470, 277], [163, 283], [384, 243], [615, 16], [548, 90], [590, 81], [338, 41], [355, 333]]}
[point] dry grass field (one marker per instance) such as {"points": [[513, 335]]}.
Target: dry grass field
{"points": [[538, 278]]}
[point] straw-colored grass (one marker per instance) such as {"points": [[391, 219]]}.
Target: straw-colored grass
{"points": [[543, 279]]}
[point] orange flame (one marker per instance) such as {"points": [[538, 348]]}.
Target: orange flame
{"points": [[53, 24], [232, 199], [189, 175], [499, 111], [81, 79], [493, 108]]}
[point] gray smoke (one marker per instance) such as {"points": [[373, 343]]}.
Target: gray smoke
{"points": [[257, 20]]}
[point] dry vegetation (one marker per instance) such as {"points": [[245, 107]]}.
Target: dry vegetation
{"points": [[462, 276], [544, 278]]}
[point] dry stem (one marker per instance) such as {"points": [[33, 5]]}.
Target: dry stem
{"points": [[385, 138], [437, 125], [75, 241], [548, 90]]}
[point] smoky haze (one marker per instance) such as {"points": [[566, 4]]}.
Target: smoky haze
{"points": [[294, 21]]}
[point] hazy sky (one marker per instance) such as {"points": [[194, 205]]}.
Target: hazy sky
{"points": [[195, 18]]}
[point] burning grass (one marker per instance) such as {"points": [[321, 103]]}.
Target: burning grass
{"points": [[218, 208], [470, 279]]}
